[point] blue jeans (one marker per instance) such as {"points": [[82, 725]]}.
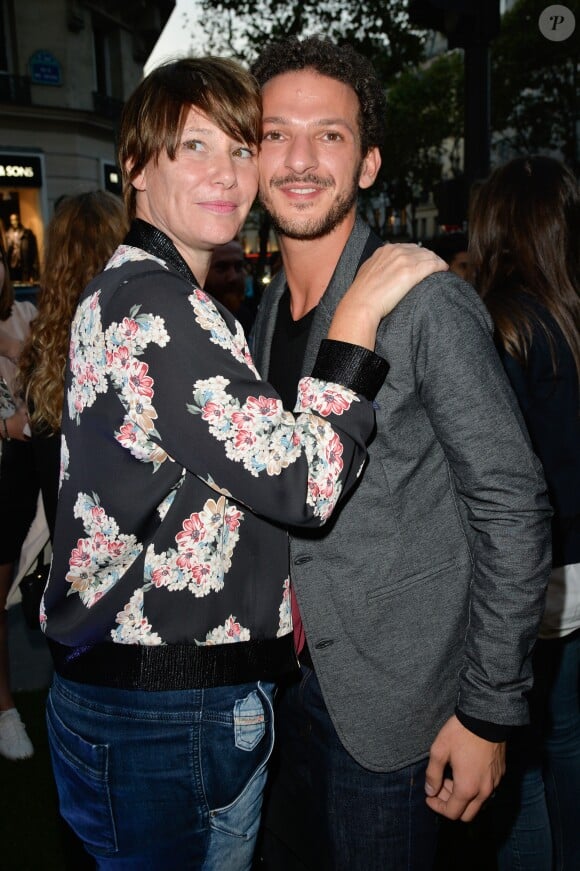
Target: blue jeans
{"points": [[162, 781], [325, 812], [536, 807]]}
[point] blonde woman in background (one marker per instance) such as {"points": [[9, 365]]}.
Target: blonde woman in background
{"points": [[81, 236]]}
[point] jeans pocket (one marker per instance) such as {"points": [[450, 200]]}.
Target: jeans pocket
{"points": [[81, 774], [249, 721]]}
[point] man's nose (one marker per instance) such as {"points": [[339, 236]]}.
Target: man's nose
{"points": [[301, 155]]}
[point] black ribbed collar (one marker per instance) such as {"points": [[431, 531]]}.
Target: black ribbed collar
{"points": [[153, 241]]}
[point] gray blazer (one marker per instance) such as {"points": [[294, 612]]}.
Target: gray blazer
{"points": [[426, 590]]}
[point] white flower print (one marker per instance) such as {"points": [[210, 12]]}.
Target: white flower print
{"points": [[265, 438], [285, 611], [126, 253], [209, 318], [324, 398], [102, 558], [64, 462], [204, 551], [229, 633], [95, 357], [133, 627], [87, 357]]}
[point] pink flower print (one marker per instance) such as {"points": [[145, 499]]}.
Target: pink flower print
{"points": [[200, 295], [200, 573], [94, 303], [80, 555], [161, 576], [99, 542], [232, 628], [88, 374], [232, 519], [139, 381], [334, 452], [212, 411], [332, 402], [244, 438], [115, 548], [306, 395], [98, 515], [127, 434], [193, 531], [129, 328], [263, 405], [186, 559], [242, 418], [121, 356]]}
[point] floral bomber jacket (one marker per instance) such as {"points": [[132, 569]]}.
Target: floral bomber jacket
{"points": [[180, 468]]}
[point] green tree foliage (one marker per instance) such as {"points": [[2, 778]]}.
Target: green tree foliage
{"points": [[379, 29], [535, 84], [424, 126]]}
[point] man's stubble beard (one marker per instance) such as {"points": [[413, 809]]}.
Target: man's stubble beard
{"points": [[315, 228]]}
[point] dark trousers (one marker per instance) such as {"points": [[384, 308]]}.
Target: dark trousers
{"points": [[325, 812]]}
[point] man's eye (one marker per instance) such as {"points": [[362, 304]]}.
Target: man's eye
{"points": [[271, 136], [332, 136]]}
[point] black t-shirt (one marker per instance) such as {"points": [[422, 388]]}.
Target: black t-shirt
{"points": [[288, 351]]}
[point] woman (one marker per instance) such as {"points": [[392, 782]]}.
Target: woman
{"points": [[167, 609], [17, 504], [524, 231], [82, 235]]}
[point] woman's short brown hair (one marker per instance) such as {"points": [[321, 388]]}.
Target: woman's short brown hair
{"points": [[154, 115]]}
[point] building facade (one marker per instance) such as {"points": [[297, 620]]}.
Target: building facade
{"points": [[66, 67]]}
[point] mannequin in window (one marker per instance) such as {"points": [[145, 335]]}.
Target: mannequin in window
{"points": [[22, 251]]}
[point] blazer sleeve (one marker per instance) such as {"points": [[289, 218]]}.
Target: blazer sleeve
{"points": [[499, 480]]}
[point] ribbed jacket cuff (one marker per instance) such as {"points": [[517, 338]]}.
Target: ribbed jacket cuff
{"points": [[354, 367], [495, 732]]}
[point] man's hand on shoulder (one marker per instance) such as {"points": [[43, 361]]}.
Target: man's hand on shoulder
{"points": [[477, 767]]}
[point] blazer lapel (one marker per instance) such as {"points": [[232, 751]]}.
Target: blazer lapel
{"points": [[342, 278]]}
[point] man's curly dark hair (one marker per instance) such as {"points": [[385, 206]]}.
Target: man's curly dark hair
{"points": [[340, 62]]}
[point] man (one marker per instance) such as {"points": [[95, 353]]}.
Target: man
{"points": [[420, 602], [453, 248], [226, 281], [167, 608]]}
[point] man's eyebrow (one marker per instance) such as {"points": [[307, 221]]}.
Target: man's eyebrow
{"points": [[317, 122]]}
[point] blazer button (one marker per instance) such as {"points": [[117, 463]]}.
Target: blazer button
{"points": [[300, 560]]}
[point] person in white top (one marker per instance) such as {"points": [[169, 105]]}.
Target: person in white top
{"points": [[15, 318]]}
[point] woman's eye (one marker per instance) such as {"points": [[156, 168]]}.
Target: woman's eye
{"points": [[192, 145], [244, 152]]}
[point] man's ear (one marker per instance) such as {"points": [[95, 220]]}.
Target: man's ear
{"points": [[370, 168]]}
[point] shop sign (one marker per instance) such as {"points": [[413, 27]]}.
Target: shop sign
{"points": [[20, 171], [44, 69]]}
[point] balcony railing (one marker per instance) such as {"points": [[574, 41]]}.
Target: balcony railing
{"points": [[15, 89]]}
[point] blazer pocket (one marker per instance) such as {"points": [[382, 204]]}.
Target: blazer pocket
{"points": [[403, 584]]}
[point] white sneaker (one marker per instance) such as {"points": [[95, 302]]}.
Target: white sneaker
{"points": [[14, 742]]}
